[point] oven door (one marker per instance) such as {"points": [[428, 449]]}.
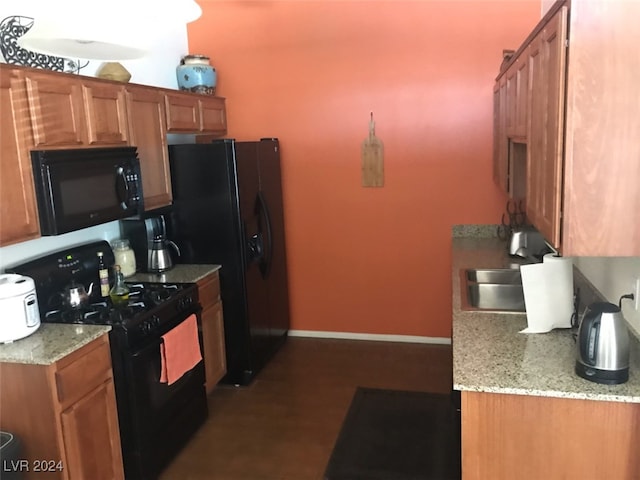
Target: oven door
{"points": [[164, 416], [86, 187]]}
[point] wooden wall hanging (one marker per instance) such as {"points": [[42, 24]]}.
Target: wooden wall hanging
{"points": [[372, 154]]}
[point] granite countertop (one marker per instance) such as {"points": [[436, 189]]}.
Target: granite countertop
{"points": [[50, 343], [181, 273], [490, 355]]}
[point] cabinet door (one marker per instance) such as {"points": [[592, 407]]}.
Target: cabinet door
{"points": [[56, 110], [512, 100], [522, 96], [91, 436], [147, 132], [602, 153], [547, 59], [106, 113], [213, 114], [183, 113], [215, 364], [500, 141], [18, 216]]}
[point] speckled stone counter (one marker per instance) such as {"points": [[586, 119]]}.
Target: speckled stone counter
{"points": [[181, 273], [490, 355], [50, 343]]}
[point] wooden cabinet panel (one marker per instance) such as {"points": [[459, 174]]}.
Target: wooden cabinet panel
{"points": [[214, 119], [88, 427], [215, 360], [146, 112], [18, 215], [522, 97], [72, 380], [544, 437], [500, 139], [214, 345], [71, 111], [106, 113], [602, 198], [192, 113], [547, 61], [183, 113], [56, 109]]}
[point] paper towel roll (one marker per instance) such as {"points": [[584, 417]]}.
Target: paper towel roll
{"points": [[548, 293]]}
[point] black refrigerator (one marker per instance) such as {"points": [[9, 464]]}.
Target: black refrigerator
{"points": [[227, 210]]}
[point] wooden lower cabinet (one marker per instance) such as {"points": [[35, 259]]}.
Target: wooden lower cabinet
{"points": [[215, 362], [64, 415], [532, 438]]}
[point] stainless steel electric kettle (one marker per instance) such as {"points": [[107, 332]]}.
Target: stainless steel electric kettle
{"points": [[160, 255], [603, 345]]}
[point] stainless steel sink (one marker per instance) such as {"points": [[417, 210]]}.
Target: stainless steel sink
{"points": [[498, 290], [494, 275]]}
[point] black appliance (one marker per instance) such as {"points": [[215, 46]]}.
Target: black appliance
{"points": [[155, 419], [141, 232], [227, 210], [80, 188]]}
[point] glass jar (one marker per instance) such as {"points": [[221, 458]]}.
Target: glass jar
{"points": [[124, 257], [195, 74]]}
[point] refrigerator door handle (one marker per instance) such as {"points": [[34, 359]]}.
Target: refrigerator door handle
{"points": [[256, 248], [265, 266]]}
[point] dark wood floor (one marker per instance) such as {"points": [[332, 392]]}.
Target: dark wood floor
{"points": [[284, 425]]}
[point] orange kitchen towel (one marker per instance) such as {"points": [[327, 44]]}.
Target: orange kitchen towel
{"points": [[179, 351]]}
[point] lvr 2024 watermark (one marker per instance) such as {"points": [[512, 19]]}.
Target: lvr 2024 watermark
{"points": [[22, 465]]}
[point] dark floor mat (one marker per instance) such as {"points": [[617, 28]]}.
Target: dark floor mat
{"points": [[396, 435]]}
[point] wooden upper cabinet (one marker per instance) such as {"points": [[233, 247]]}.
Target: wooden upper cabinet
{"points": [[183, 113], [602, 159], [106, 113], [146, 114], [18, 214], [522, 97], [56, 109], [500, 139], [71, 111], [214, 118], [547, 63], [193, 113]]}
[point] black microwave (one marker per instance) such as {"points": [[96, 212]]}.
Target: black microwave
{"points": [[84, 187]]}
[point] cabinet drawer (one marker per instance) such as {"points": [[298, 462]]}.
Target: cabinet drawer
{"points": [[83, 375], [209, 290]]}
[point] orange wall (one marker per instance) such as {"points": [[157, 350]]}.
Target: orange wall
{"points": [[369, 260]]}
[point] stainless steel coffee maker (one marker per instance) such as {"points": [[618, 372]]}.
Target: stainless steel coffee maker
{"points": [[143, 235]]}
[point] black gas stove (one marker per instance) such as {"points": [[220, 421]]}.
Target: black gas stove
{"points": [[148, 307], [149, 411]]}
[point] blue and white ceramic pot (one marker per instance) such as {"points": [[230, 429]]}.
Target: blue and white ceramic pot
{"points": [[195, 74]]}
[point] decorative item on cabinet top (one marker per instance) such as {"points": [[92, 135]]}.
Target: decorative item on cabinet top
{"points": [[113, 71], [195, 74], [14, 27]]}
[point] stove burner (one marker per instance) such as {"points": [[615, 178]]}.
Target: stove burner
{"points": [[143, 297]]}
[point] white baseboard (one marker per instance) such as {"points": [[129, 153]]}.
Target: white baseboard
{"points": [[371, 336]]}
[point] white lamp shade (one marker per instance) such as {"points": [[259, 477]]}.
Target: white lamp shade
{"points": [[81, 41], [125, 31]]}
